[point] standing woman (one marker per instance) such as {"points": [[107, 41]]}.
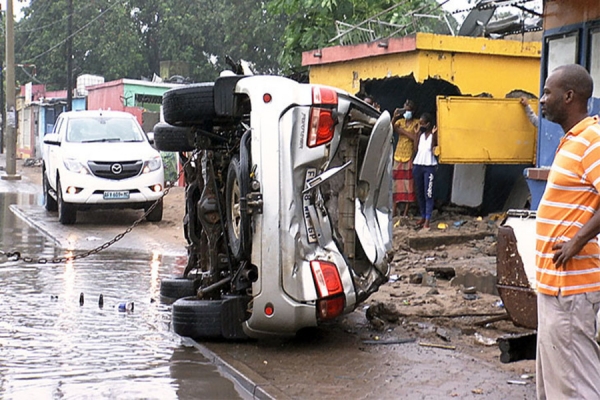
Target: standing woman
{"points": [[406, 129], [424, 168]]}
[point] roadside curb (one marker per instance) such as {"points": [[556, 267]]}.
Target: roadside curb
{"points": [[32, 222], [253, 383]]}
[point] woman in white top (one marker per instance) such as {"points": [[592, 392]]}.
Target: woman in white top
{"points": [[424, 166]]}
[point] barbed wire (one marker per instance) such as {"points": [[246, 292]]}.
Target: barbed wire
{"points": [[490, 5]]}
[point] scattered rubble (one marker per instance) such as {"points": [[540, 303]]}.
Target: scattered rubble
{"points": [[443, 290]]}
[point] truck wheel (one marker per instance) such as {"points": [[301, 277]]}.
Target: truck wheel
{"points": [[49, 201], [189, 105], [172, 289], [67, 213], [238, 231], [173, 138], [156, 214], [197, 319]]}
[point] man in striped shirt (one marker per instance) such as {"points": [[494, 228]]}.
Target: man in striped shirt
{"points": [[567, 250]]}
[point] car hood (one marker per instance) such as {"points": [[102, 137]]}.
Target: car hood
{"points": [[109, 151]]}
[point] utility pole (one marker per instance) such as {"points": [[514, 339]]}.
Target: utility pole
{"points": [[70, 56], [11, 106]]}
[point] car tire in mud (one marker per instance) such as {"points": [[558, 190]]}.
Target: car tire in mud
{"points": [[156, 214], [172, 289], [67, 213], [173, 138], [196, 318], [238, 229], [49, 202], [189, 105]]}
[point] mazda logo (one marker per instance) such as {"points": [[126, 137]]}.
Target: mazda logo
{"points": [[116, 169]]}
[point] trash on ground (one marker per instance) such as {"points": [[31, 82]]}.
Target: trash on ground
{"points": [[390, 341], [486, 341], [470, 290], [439, 346], [126, 306], [516, 382]]}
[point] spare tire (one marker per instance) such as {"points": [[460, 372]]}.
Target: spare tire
{"points": [[173, 138], [197, 319], [172, 289], [189, 105]]}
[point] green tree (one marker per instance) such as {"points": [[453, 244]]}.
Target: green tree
{"points": [[129, 38], [204, 32], [312, 23], [104, 37]]}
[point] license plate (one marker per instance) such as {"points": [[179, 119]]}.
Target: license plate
{"points": [[116, 194], [311, 233]]}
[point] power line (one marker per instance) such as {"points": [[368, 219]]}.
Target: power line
{"points": [[76, 32], [39, 28]]}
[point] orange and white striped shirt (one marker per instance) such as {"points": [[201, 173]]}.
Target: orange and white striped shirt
{"points": [[571, 198]]}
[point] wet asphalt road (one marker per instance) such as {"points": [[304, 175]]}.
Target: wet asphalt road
{"points": [[57, 344], [55, 348]]}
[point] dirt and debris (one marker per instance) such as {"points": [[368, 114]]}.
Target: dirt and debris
{"points": [[429, 297], [430, 276]]}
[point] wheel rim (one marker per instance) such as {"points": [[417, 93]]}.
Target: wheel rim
{"points": [[236, 214]]}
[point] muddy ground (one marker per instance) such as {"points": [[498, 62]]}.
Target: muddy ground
{"points": [[435, 307], [418, 302]]}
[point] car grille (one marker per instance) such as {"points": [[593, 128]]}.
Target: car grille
{"points": [[115, 170]]}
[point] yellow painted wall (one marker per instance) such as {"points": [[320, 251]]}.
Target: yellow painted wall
{"points": [[475, 65], [476, 73], [347, 75]]}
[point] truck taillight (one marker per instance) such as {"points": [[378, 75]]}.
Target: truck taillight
{"points": [[331, 300], [323, 95], [321, 127], [322, 119]]}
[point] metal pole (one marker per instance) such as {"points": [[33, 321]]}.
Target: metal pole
{"points": [[70, 56], [11, 109]]}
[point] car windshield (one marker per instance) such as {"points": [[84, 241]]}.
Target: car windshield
{"points": [[103, 129]]}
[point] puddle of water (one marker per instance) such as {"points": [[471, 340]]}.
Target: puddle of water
{"points": [[52, 346]]}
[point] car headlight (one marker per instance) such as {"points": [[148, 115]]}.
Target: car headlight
{"points": [[152, 165], [76, 166]]}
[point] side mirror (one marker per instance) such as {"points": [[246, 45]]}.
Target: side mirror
{"points": [[150, 136], [52, 138]]}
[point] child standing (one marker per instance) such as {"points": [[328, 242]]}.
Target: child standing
{"points": [[424, 166]]}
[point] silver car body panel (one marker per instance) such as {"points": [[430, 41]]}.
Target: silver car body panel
{"points": [[374, 205], [295, 227]]}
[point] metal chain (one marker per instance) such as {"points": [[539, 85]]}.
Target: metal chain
{"points": [[16, 256]]}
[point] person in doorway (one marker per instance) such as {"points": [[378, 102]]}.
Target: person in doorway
{"points": [[406, 128], [531, 115], [371, 101], [567, 249], [425, 164]]}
